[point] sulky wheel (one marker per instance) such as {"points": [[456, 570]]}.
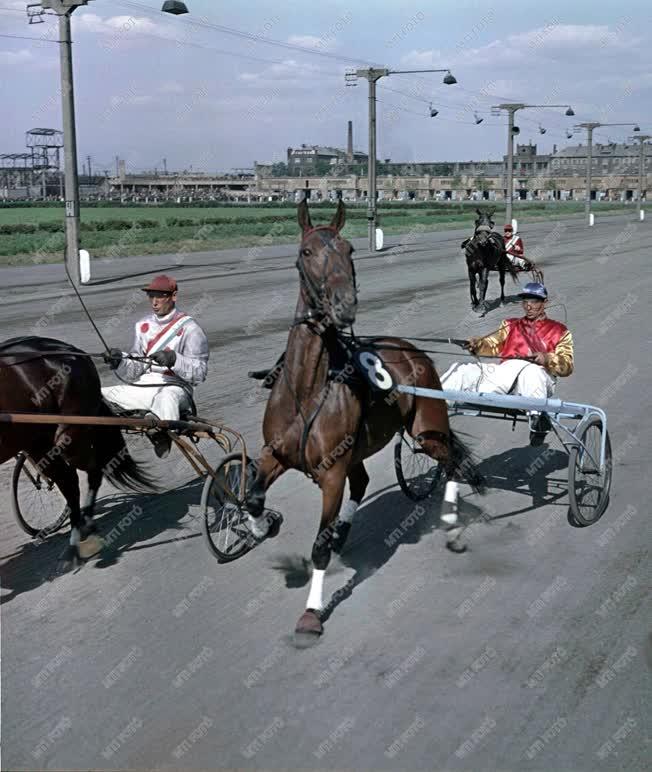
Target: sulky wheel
{"points": [[417, 473], [224, 510], [37, 503], [588, 488]]}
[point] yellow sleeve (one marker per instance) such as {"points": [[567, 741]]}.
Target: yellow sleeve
{"points": [[490, 345], [561, 361]]}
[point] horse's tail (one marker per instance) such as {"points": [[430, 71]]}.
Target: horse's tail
{"points": [[463, 463], [510, 268], [116, 462]]}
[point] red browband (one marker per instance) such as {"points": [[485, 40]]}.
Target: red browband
{"points": [[319, 228]]}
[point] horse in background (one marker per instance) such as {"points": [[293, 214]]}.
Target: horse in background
{"points": [[485, 252]]}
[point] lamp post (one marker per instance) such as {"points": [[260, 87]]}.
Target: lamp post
{"points": [[64, 10], [589, 126], [373, 75], [511, 108], [641, 171]]}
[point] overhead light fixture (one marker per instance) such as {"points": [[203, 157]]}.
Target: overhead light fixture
{"points": [[637, 128], [542, 130], [478, 119], [449, 80], [516, 130], [570, 111], [569, 134], [175, 7], [433, 112]]}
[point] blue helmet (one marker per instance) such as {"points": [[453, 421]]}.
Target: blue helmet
{"points": [[534, 289]]}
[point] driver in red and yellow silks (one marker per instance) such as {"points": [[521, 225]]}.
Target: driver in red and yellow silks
{"points": [[548, 345]]}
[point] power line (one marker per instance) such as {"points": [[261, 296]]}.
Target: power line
{"points": [[245, 35], [23, 37]]}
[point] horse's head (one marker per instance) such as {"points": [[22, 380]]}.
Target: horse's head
{"points": [[328, 285], [483, 224]]}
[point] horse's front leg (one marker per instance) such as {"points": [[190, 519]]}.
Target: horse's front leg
{"points": [[332, 488], [484, 283], [358, 482], [502, 286], [268, 469], [474, 294]]}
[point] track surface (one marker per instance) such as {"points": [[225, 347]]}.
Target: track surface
{"points": [[530, 651]]}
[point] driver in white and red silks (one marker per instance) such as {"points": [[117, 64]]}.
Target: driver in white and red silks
{"points": [[179, 347], [514, 248]]}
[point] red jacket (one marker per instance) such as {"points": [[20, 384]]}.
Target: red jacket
{"points": [[516, 249], [521, 338]]}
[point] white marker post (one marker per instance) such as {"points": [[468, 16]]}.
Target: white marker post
{"points": [[642, 214], [84, 266], [591, 219], [515, 224], [379, 239]]}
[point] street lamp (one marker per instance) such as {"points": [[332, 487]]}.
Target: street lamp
{"points": [[589, 126], [64, 9], [372, 75], [511, 108]]}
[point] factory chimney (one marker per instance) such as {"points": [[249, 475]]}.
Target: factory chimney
{"points": [[349, 143]]}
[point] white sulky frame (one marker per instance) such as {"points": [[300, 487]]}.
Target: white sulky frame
{"points": [[556, 409]]}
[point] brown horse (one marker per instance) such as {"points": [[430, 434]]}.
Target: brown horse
{"points": [[325, 425], [49, 376]]}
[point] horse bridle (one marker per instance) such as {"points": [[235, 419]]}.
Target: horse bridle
{"points": [[316, 290]]}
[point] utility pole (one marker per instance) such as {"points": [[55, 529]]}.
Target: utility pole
{"points": [[642, 177], [165, 166], [373, 75], [90, 172], [590, 126], [64, 9], [511, 108]]}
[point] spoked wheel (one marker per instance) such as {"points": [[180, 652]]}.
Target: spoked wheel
{"points": [[37, 503], [224, 509], [417, 473], [588, 487]]}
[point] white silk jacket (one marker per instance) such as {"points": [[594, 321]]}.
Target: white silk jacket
{"points": [[176, 332]]}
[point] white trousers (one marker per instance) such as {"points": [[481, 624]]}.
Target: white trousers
{"points": [[165, 402], [517, 261], [515, 377]]}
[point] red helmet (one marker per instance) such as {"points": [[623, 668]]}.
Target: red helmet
{"points": [[508, 228], [161, 283]]}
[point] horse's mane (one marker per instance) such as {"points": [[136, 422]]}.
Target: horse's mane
{"points": [[36, 343]]}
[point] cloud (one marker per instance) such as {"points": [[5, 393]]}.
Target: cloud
{"points": [[16, 57], [311, 41], [120, 25]]}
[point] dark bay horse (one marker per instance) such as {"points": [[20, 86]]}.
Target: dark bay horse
{"points": [[326, 427], [48, 376], [485, 252]]}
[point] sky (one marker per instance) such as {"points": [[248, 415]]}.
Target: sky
{"points": [[198, 92]]}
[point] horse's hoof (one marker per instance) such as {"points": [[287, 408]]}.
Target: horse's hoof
{"points": [[276, 521], [456, 546], [340, 535], [70, 560], [309, 624], [90, 546]]}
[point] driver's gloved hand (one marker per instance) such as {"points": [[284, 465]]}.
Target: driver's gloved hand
{"points": [[164, 358], [113, 357]]}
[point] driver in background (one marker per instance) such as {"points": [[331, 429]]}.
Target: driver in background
{"points": [[178, 346], [515, 249], [549, 345]]}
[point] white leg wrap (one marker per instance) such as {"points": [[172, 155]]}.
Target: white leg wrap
{"points": [[449, 514], [316, 590], [89, 500], [74, 537], [347, 511], [259, 525]]}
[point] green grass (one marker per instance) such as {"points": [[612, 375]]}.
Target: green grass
{"points": [[23, 248]]}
